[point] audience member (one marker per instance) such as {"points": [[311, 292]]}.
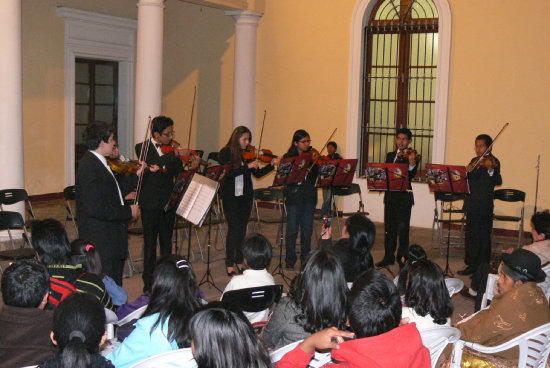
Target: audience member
{"points": [[374, 313], [416, 253], [163, 326], [25, 331], [519, 306], [223, 337], [84, 253], [427, 300], [78, 332], [316, 300], [257, 251], [51, 243]]}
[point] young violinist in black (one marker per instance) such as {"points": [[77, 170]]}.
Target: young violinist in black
{"points": [[300, 201], [479, 205], [238, 193]]}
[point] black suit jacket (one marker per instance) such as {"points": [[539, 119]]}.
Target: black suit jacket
{"points": [[157, 186], [482, 189], [101, 217], [406, 197]]}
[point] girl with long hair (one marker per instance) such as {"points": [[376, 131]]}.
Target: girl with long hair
{"points": [[300, 201], [163, 326], [223, 338], [78, 332], [427, 300], [317, 300], [415, 253], [238, 194]]}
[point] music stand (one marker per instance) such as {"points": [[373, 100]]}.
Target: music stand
{"points": [[449, 179], [218, 173], [180, 186], [291, 170]]}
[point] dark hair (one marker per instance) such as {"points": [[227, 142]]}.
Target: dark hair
{"points": [[257, 251], [405, 131], [541, 223], [362, 233], [159, 123], [97, 132], [174, 297], [223, 337], [50, 241], [333, 144], [427, 293], [234, 145], [84, 252], [24, 284], [514, 275], [486, 138], [320, 292], [78, 326], [415, 253], [374, 306], [298, 136]]}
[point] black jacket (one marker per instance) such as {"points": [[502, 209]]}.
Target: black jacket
{"points": [[101, 217], [482, 189], [407, 197], [157, 186]]}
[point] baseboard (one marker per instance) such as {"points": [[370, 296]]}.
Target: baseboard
{"points": [[45, 197]]}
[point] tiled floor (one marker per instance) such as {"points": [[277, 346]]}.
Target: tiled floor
{"points": [[133, 284]]}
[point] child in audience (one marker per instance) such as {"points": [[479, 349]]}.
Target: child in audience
{"points": [[164, 323], [416, 253], [223, 338], [78, 332], [257, 252], [84, 253], [317, 300], [427, 300], [374, 313]]}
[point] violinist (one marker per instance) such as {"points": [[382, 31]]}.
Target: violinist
{"points": [[300, 201], [155, 192], [398, 205], [478, 206], [127, 181], [331, 155], [238, 194]]}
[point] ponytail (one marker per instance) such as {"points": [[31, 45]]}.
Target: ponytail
{"points": [[75, 353]]}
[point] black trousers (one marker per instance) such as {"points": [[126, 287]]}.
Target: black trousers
{"points": [[156, 224], [237, 212], [397, 218], [478, 239]]}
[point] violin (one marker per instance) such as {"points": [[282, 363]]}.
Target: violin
{"points": [[488, 161], [250, 153], [407, 152], [187, 159], [123, 167]]}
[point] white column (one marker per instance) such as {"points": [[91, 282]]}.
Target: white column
{"points": [[149, 56], [11, 99], [244, 83]]}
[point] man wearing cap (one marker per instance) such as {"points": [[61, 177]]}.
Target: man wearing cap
{"points": [[519, 306]]}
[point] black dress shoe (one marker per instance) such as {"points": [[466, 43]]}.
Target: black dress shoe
{"points": [[467, 271], [465, 292], [384, 263]]}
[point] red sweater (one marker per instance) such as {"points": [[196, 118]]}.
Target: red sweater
{"points": [[399, 348]]}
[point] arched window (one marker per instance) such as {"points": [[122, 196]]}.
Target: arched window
{"points": [[399, 89]]}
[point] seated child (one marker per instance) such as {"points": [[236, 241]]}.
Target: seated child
{"points": [[257, 252]]}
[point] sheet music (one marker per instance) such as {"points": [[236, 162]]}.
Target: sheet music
{"points": [[197, 199]]}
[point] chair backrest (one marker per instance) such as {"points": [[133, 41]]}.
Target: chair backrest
{"points": [[254, 299], [69, 193], [454, 285], [489, 289], [213, 156], [12, 196], [318, 360], [448, 197], [352, 189], [510, 195], [436, 339], [110, 321], [181, 358], [279, 353], [268, 194], [11, 220], [131, 316]]}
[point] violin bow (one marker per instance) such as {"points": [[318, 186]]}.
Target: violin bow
{"points": [[261, 135], [537, 187], [328, 140], [191, 119], [142, 156], [488, 149]]}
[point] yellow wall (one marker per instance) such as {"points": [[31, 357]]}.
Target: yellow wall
{"points": [[497, 75]]}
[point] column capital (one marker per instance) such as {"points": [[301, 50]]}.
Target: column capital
{"points": [[245, 16], [154, 3]]}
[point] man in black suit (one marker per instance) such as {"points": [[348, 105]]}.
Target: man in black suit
{"points": [[155, 194], [398, 205], [479, 205], [100, 208]]}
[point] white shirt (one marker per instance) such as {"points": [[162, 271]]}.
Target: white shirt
{"points": [[104, 162], [250, 279], [159, 149], [411, 167]]}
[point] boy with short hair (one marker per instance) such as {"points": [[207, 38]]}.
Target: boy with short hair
{"points": [[257, 251]]}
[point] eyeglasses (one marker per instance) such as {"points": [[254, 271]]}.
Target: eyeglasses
{"points": [[303, 141], [170, 134]]}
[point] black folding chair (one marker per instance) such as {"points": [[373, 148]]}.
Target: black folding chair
{"points": [[444, 206], [13, 196], [14, 221], [254, 299], [70, 196], [511, 196]]}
